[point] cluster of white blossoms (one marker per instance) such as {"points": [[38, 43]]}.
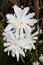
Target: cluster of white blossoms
{"points": [[41, 58], [17, 34], [36, 63]]}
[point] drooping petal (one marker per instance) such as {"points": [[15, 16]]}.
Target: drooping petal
{"points": [[13, 53], [21, 52], [17, 55]]}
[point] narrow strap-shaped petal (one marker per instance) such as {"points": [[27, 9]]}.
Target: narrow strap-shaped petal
{"points": [[8, 48], [9, 16], [17, 32], [13, 53], [36, 33], [17, 55], [8, 53], [21, 33], [21, 52], [9, 27], [30, 15], [35, 37], [31, 21], [25, 11], [18, 11], [7, 44]]}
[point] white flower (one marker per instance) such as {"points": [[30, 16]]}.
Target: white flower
{"points": [[17, 34], [8, 35], [21, 20], [41, 58], [15, 47], [36, 63], [29, 40]]}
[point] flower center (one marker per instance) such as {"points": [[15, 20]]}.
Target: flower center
{"points": [[20, 23], [15, 44]]}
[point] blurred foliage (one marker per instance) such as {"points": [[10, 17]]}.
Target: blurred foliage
{"points": [[35, 6]]}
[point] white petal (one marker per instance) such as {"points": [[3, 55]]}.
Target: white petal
{"points": [[9, 27], [25, 11], [17, 55], [28, 29], [34, 41], [31, 21], [18, 11], [13, 53], [6, 44], [17, 32], [11, 21], [8, 48], [8, 53], [28, 47], [35, 33], [33, 46], [4, 38], [21, 33], [35, 37], [9, 16], [21, 52], [30, 15]]}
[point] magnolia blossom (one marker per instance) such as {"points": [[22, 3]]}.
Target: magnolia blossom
{"points": [[17, 33], [29, 40], [36, 63], [41, 58], [20, 20], [8, 35], [15, 47]]}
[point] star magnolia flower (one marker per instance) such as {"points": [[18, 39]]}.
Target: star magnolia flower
{"points": [[30, 39], [15, 47], [36, 63], [41, 58], [8, 35], [21, 20]]}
